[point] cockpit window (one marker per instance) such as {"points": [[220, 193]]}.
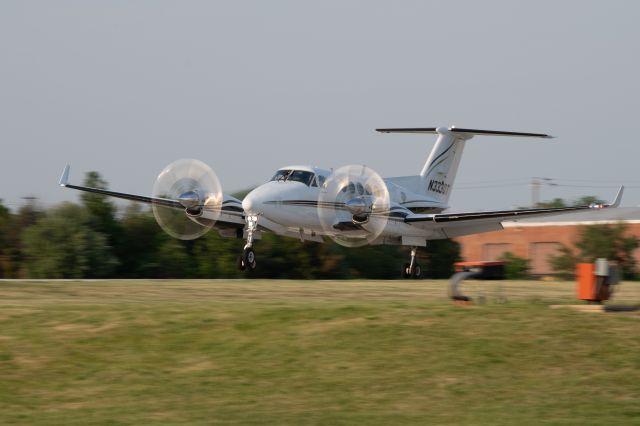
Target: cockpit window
{"points": [[281, 175], [301, 176], [294, 176]]}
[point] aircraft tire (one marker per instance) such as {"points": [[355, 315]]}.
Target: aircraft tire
{"points": [[406, 273], [417, 271], [249, 258], [240, 263]]}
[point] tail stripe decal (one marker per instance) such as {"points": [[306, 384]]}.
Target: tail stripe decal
{"points": [[434, 164]]}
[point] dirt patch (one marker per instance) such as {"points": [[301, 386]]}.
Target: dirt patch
{"points": [[193, 367]]}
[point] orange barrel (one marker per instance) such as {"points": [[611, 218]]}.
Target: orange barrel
{"points": [[586, 286]]}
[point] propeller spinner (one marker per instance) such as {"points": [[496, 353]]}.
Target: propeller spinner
{"points": [[353, 206], [196, 187]]}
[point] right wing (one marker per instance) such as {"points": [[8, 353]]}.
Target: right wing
{"points": [[231, 215], [449, 225]]}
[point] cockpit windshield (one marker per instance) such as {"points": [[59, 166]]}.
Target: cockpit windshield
{"points": [[281, 175], [294, 176], [301, 176]]}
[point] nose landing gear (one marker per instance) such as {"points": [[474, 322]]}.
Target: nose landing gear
{"points": [[412, 269], [248, 257]]}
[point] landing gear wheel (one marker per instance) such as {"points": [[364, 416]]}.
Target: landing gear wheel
{"points": [[240, 263], [416, 271], [249, 258], [406, 271], [412, 269]]}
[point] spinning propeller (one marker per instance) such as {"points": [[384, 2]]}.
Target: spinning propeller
{"points": [[353, 206], [196, 187]]}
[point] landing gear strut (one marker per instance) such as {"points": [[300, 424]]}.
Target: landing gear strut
{"points": [[248, 257], [412, 269]]}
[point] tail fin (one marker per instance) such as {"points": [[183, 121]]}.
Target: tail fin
{"points": [[439, 172]]}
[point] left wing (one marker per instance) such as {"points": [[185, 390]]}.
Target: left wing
{"points": [[451, 225], [231, 215]]}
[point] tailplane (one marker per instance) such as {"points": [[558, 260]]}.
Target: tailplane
{"points": [[439, 172]]}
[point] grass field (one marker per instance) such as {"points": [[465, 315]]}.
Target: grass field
{"points": [[313, 353]]}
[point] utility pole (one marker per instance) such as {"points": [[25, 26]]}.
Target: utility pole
{"points": [[535, 191], [536, 183]]}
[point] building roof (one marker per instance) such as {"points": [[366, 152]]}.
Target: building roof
{"points": [[587, 217]]}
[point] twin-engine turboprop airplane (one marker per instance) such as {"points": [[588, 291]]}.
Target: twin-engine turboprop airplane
{"points": [[352, 205]]}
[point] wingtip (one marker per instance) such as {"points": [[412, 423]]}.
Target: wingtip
{"points": [[64, 179], [618, 199]]}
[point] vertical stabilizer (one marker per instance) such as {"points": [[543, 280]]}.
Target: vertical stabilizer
{"points": [[439, 172]]}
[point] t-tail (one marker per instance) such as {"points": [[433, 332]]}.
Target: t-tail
{"points": [[439, 172]]}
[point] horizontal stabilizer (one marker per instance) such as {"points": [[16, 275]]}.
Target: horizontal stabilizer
{"points": [[453, 129]]}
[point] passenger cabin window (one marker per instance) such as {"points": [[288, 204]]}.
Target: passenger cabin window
{"points": [[294, 176]]}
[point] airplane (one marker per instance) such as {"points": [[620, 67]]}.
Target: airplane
{"points": [[352, 205]]}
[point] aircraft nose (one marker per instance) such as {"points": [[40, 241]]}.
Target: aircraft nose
{"points": [[252, 203]]}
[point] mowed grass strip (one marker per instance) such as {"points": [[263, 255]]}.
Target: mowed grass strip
{"points": [[331, 353]]}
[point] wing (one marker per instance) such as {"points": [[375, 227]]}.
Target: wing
{"points": [[449, 225], [231, 217]]}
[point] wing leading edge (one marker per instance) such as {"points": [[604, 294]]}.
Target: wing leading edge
{"points": [[231, 216]]}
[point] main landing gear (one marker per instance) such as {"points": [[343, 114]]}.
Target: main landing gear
{"points": [[412, 269], [247, 259]]}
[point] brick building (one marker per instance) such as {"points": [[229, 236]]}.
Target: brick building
{"points": [[539, 238]]}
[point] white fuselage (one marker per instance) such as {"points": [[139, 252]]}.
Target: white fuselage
{"points": [[293, 204]]}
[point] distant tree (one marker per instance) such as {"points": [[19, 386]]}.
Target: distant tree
{"points": [[281, 257], [555, 203], [587, 200], [28, 214], [5, 224], [216, 257], [600, 241], [440, 257], [62, 245], [516, 268], [102, 211], [4, 211], [175, 260], [610, 242], [564, 263], [103, 214], [379, 262], [141, 238], [12, 247]]}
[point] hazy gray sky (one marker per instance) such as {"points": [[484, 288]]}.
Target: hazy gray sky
{"points": [[126, 87]]}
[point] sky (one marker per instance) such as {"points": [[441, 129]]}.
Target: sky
{"points": [[127, 87]]}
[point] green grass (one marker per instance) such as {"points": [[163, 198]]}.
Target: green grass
{"points": [[313, 353]]}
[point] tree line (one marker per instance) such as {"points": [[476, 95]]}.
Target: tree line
{"points": [[92, 239]]}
